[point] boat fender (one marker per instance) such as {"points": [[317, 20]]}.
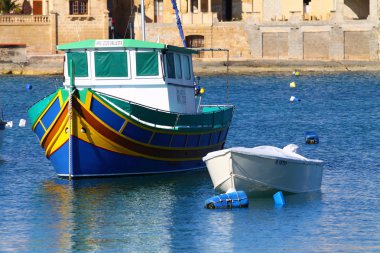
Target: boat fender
{"points": [[294, 99], [236, 199], [278, 198], [22, 123], [9, 124]]}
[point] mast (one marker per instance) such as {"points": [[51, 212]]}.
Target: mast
{"points": [[70, 111], [142, 20], [179, 24]]}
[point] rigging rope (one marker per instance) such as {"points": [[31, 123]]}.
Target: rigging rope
{"points": [[179, 24]]}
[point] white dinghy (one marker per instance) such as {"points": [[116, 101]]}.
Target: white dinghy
{"points": [[263, 170]]}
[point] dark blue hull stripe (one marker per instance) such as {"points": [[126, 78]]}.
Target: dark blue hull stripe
{"points": [[94, 161]]}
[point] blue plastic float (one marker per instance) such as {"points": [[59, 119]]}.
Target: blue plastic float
{"points": [[227, 200], [278, 198], [311, 137], [28, 87]]}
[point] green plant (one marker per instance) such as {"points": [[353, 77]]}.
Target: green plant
{"points": [[8, 6]]}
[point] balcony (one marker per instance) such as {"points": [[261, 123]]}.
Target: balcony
{"points": [[24, 19]]}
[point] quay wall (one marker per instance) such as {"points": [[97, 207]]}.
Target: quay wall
{"points": [[329, 41], [53, 65]]}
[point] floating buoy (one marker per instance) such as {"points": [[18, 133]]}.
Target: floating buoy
{"points": [[227, 200], [28, 87], [293, 85], [278, 198], [22, 123], [199, 91], [294, 99], [9, 124], [296, 73], [311, 137]]}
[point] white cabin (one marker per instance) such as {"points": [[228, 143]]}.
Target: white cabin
{"points": [[151, 74]]}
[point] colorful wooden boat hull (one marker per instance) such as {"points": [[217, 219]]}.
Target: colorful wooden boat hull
{"points": [[109, 140]]}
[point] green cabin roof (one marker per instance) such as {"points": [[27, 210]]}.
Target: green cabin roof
{"points": [[121, 43]]}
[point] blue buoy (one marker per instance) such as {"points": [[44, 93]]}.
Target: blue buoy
{"points": [[28, 87], [227, 200], [311, 137], [278, 198]]}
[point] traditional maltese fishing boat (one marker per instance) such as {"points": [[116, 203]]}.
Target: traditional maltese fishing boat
{"points": [[127, 107]]}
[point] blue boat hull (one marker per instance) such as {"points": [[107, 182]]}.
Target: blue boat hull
{"points": [[107, 141], [95, 161]]}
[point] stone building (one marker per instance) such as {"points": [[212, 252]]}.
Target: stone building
{"points": [[250, 29], [40, 25], [268, 29]]}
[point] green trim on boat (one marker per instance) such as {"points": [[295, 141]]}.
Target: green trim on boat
{"points": [[211, 118], [81, 94], [121, 43], [35, 111]]}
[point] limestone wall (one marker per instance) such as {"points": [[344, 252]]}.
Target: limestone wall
{"points": [[319, 43], [41, 33], [12, 53], [223, 35], [308, 42], [316, 45], [71, 28], [321, 8], [35, 33], [275, 45], [357, 46]]}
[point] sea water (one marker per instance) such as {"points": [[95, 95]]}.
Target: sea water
{"points": [[40, 212]]}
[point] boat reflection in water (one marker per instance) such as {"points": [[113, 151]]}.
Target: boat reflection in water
{"points": [[118, 213]]}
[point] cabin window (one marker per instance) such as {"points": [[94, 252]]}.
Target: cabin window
{"points": [[186, 67], [78, 7], [170, 65], [111, 64], [147, 63], [80, 64], [177, 61]]}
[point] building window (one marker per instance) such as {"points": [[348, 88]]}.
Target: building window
{"points": [[78, 7], [194, 41]]}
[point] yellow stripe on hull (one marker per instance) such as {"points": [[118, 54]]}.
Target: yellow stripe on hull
{"points": [[87, 133]]}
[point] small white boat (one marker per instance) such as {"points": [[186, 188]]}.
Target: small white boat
{"points": [[263, 170]]}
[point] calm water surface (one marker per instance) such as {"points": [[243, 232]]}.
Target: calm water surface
{"points": [[164, 213]]}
